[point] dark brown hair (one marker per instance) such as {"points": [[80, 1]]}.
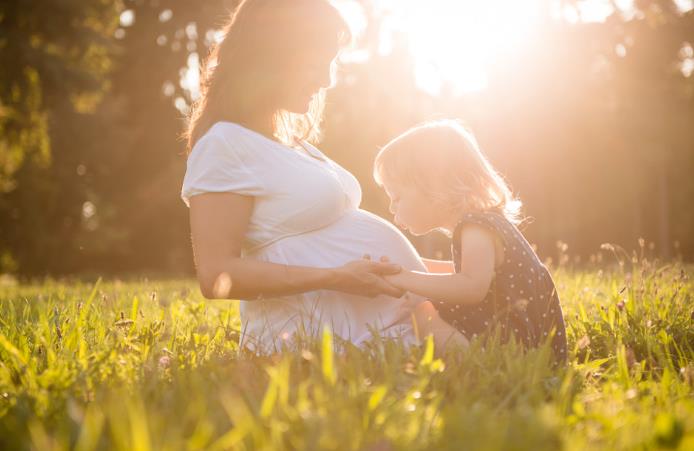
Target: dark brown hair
{"points": [[244, 70]]}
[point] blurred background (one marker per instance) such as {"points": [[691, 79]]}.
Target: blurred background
{"points": [[586, 107]]}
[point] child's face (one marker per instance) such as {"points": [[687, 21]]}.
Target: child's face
{"points": [[413, 209]]}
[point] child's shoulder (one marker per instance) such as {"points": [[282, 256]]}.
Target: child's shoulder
{"points": [[490, 219], [481, 230]]}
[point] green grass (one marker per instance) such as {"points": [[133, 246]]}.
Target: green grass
{"points": [[152, 365]]}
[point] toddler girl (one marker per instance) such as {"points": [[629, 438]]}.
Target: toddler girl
{"points": [[437, 178]]}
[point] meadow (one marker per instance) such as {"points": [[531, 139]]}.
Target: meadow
{"points": [[151, 364]]}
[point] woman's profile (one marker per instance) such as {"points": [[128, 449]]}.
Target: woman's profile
{"points": [[274, 221]]}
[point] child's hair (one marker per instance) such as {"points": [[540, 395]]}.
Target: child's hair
{"points": [[443, 159]]}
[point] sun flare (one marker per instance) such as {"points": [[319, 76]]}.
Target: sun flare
{"points": [[452, 42]]}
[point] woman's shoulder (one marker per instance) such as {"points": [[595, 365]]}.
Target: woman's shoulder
{"points": [[225, 140], [234, 134]]}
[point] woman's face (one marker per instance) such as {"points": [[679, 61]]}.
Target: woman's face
{"points": [[308, 73]]}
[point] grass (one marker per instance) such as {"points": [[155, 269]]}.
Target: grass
{"points": [[152, 365]]}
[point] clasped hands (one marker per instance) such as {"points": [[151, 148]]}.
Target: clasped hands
{"points": [[369, 278]]}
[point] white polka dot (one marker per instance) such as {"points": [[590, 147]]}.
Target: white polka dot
{"points": [[521, 291], [559, 334], [508, 298], [545, 334], [510, 276], [513, 286], [520, 264], [544, 315]]}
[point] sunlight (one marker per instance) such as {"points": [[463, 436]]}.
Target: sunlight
{"points": [[452, 41]]}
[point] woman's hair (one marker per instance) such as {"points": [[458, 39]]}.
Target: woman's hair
{"points": [[245, 70], [443, 159]]}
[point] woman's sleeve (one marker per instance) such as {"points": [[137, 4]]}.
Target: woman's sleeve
{"points": [[217, 166]]}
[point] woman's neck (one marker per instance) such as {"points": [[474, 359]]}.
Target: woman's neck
{"points": [[261, 124]]}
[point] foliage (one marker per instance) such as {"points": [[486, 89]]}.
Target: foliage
{"points": [[150, 365], [51, 53], [582, 112]]}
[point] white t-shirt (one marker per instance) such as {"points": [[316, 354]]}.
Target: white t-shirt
{"points": [[306, 213]]}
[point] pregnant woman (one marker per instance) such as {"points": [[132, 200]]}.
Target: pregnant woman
{"points": [[274, 221]]}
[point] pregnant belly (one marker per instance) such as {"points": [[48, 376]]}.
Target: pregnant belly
{"points": [[356, 233]]}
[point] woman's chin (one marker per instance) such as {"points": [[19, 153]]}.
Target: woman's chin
{"points": [[301, 106], [406, 228]]}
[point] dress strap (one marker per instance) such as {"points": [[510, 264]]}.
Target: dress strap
{"points": [[309, 151], [489, 219]]}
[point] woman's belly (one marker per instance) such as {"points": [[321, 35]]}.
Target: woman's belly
{"points": [[270, 322]]}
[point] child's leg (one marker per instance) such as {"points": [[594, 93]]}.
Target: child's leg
{"points": [[428, 322]]}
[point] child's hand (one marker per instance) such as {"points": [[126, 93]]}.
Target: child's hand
{"points": [[366, 278], [383, 259], [395, 279]]}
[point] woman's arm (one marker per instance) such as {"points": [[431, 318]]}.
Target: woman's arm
{"points": [[218, 223], [439, 266], [467, 287]]}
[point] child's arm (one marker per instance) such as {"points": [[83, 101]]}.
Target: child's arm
{"points": [[467, 287], [439, 266]]}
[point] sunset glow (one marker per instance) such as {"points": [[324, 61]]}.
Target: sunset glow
{"points": [[453, 41]]}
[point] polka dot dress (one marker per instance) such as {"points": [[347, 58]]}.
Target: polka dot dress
{"points": [[522, 299]]}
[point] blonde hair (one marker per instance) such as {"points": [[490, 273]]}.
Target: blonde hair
{"points": [[443, 159], [244, 70]]}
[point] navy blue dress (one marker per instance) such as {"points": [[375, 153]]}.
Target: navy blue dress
{"points": [[522, 299]]}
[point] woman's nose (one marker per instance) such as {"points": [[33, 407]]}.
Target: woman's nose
{"points": [[324, 80], [392, 208]]}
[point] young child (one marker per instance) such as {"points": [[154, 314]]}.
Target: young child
{"points": [[437, 178]]}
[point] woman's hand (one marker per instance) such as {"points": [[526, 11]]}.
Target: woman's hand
{"points": [[398, 280], [364, 278]]}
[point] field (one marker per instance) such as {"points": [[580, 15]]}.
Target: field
{"points": [[150, 364]]}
